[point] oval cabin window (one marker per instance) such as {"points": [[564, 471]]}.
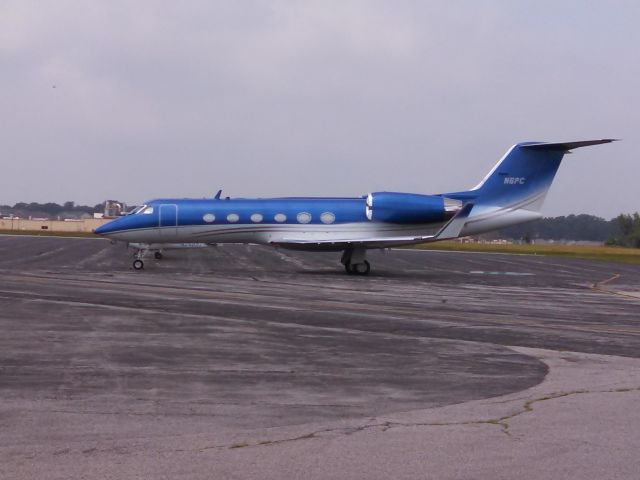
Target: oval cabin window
{"points": [[256, 218], [208, 217], [233, 218], [303, 217], [280, 217], [327, 217]]}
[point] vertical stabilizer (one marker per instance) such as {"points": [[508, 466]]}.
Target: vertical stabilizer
{"points": [[514, 190]]}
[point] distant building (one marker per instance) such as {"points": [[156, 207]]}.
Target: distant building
{"points": [[113, 208]]}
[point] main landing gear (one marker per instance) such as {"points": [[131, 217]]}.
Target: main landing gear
{"points": [[358, 268], [354, 261]]}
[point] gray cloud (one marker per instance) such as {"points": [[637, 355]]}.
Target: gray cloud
{"points": [[315, 98]]}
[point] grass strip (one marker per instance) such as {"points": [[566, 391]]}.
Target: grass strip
{"points": [[589, 252]]}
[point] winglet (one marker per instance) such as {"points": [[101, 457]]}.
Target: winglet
{"points": [[217, 197]]}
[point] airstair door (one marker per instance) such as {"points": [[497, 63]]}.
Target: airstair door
{"points": [[168, 218]]}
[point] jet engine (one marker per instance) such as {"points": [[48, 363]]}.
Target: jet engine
{"points": [[410, 207]]}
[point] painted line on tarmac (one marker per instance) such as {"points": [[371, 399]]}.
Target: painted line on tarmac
{"points": [[596, 287], [482, 272]]}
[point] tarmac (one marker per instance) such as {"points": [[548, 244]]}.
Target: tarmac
{"points": [[242, 361]]}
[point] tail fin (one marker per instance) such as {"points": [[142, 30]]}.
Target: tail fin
{"points": [[514, 190], [523, 176]]}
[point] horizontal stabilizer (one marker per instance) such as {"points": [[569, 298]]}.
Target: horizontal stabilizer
{"points": [[567, 145]]}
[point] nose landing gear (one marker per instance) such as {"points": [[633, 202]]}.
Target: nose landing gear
{"points": [[138, 264], [142, 250]]}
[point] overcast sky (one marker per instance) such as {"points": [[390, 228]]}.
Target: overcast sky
{"points": [[133, 100]]}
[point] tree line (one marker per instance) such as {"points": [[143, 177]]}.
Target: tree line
{"points": [[50, 209], [628, 231], [624, 230]]}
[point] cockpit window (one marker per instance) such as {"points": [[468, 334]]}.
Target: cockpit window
{"points": [[148, 210], [137, 210]]}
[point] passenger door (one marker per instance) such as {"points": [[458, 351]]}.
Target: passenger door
{"points": [[168, 218]]}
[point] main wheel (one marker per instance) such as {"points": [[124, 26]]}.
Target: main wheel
{"points": [[362, 268], [349, 268], [158, 255], [138, 264]]}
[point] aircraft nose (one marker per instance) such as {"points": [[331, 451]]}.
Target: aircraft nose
{"points": [[105, 229], [100, 230]]}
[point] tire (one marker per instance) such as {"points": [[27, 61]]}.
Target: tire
{"points": [[362, 268], [158, 255], [138, 264]]}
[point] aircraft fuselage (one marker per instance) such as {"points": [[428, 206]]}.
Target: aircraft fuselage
{"points": [[281, 221]]}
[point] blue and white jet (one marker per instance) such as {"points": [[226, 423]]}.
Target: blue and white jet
{"points": [[511, 193]]}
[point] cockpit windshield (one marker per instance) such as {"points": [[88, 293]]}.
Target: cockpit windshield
{"points": [[137, 210]]}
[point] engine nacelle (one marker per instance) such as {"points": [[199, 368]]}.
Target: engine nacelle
{"points": [[410, 207]]}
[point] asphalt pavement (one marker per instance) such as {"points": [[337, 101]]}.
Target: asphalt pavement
{"points": [[242, 361]]}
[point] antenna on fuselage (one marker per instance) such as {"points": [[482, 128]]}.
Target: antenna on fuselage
{"points": [[217, 197]]}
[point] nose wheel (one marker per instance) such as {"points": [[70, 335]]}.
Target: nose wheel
{"points": [[138, 264]]}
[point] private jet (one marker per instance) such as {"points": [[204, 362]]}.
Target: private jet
{"points": [[511, 193]]}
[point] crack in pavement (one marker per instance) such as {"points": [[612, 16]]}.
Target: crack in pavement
{"points": [[502, 422]]}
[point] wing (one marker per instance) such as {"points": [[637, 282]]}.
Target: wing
{"points": [[450, 230]]}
